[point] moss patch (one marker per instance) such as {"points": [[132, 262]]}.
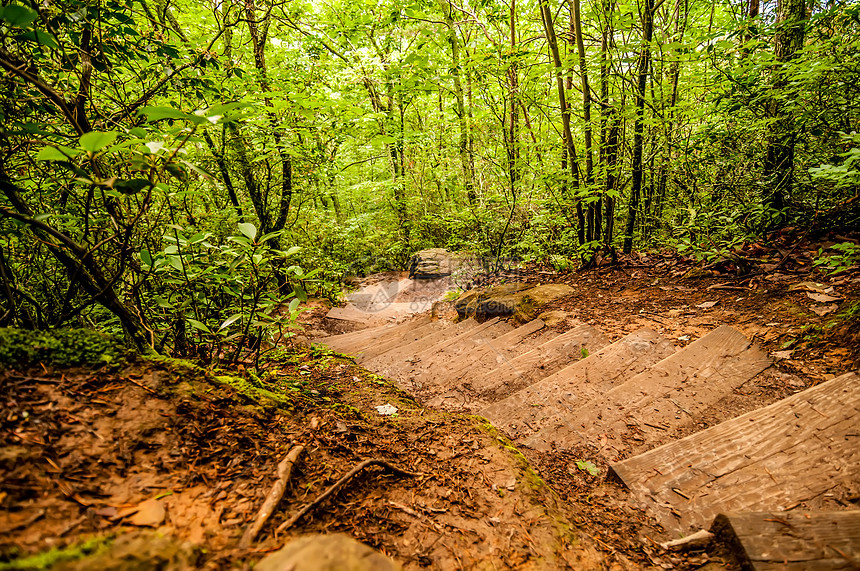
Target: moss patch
{"points": [[530, 477], [48, 559], [59, 348]]}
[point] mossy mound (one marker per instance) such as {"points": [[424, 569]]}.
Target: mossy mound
{"points": [[59, 348]]}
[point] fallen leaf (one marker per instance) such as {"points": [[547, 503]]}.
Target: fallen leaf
{"points": [[108, 511], [149, 514], [824, 309], [822, 297], [782, 354], [386, 409], [707, 304], [808, 286]]}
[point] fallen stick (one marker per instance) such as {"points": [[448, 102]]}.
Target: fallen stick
{"points": [[696, 540], [285, 469], [339, 484]]}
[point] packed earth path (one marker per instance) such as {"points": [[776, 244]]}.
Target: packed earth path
{"points": [[695, 422], [613, 412]]}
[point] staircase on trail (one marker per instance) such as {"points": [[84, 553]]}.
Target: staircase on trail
{"points": [[643, 402]]}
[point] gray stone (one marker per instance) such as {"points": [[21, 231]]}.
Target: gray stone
{"points": [[431, 264], [334, 552]]}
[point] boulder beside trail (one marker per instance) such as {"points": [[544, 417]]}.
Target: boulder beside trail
{"points": [[438, 263], [518, 299], [332, 552]]}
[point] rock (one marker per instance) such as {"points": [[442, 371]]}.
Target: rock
{"points": [[430, 264], [515, 299], [437, 263], [553, 318], [489, 301], [334, 552]]}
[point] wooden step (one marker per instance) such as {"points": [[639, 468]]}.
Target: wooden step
{"points": [[474, 344], [380, 346], [490, 350], [425, 370], [799, 540], [792, 451], [390, 363], [454, 342], [542, 361], [548, 402], [645, 410], [792, 541], [357, 340], [454, 389]]}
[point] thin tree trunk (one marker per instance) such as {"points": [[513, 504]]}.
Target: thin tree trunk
{"points": [[463, 147], [570, 148], [639, 125], [779, 160], [593, 207]]}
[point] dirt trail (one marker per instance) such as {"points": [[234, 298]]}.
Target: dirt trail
{"points": [[733, 347], [90, 456]]}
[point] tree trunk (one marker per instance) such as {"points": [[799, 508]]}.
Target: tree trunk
{"points": [[594, 221], [466, 163], [570, 148], [639, 125], [779, 160]]}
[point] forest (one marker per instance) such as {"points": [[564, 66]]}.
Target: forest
{"points": [[186, 174]]}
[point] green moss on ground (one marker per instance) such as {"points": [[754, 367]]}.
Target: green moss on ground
{"points": [[60, 348], [257, 394], [529, 476], [48, 559]]}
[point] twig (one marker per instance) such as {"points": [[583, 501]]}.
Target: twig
{"points": [[141, 385], [697, 540], [727, 287], [339, 484], [276, 494]]}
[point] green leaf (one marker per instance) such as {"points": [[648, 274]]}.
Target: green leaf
{"points": [[248, 229], [18, 16], [198, 325], [158, 113], [292, 250], [230, 320], [587, 466], [270, 235], [300, 292], [39, 37], [294, 304], [58, 153], [145, 257], [95, 141], [131, 186], [175, 262]]}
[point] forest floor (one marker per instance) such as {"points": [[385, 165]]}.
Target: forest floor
{"points": [[163, 462]]}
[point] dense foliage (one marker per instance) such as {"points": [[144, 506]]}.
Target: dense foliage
{"points": [[187, 172]]}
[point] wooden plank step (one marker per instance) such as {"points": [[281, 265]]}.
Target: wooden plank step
{"points": [[355, 341], [349, 312], [425, 370], [540, 362], [392, 361], [445, 344], [548, 402], [792, 541], [489, 350], [454, 389], [380, 346], [644, 411], [792, 451]]}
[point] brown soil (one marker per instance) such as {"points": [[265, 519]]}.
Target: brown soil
{"points": [[82, 449]]}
